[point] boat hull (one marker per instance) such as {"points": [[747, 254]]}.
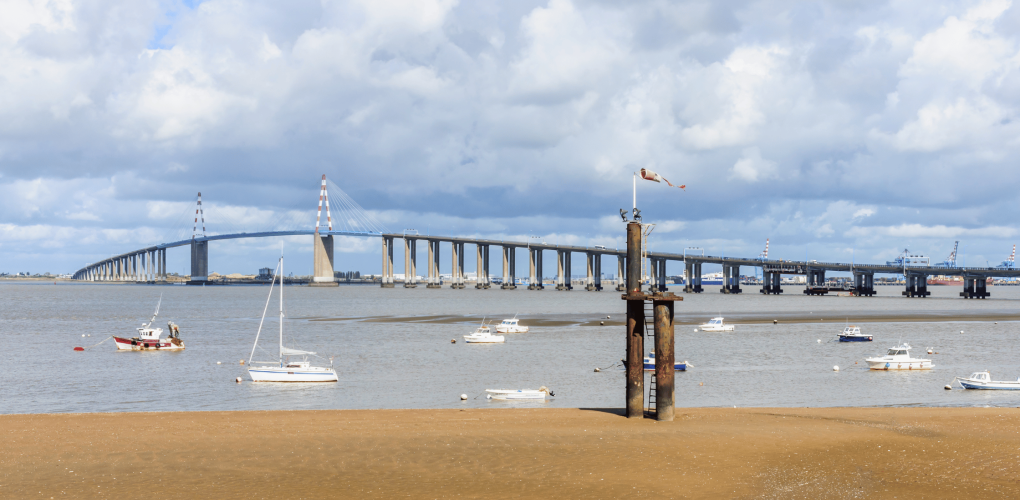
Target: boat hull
{"points": [[886, 365], [518, 329], [170, 344], [854, 338], [509, 395], [680, 367], [285, 374], [489, 339], [993, 385], [727, 328]]}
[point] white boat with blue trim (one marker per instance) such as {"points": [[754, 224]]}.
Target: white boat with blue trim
{"points": [[898, 358], [650, 363], [514, 394], [853, 334], [983, 380], [511, 325], [483, 335], [716, 325], [284, 369]]}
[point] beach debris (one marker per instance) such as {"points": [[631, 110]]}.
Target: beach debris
{"points": [[835, 368], [238, 380], [949, 387], [463, 397], [79, 348]]}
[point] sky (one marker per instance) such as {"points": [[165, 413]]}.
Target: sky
{"points": [[840, 130]]}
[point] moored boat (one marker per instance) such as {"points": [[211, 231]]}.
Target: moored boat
{"points": [[853, 334], [149, 338], [483, 335], [511, 325], [898, 358], [286, 370], [716, 325], [513, 394], [983, 380], [650, 363]]}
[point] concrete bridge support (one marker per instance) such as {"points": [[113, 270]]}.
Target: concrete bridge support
{"points": [[199, 261], [975, 287], [594, 268], [658, 275], [815, 282], [457, 273], [864, 283], [731, 279], [693, 284], [410, 263], [322, 260], [535, 269], [621, 280], [917, 285], [563, 270], [509, 268], [433, 281], [482, 267], [771, 283]]}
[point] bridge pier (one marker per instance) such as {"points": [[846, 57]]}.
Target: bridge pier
{"points": [[199, 262], [975, 287], [563, 270], [917, 285], [482, 267], [322, 261], [864, 283], [509, 268], [621, 283], [815, 282], [410, 265], [693, 284], [535, 268], [457, 273], [731, 278], [434, 281], [594, 268], [771, 282]]}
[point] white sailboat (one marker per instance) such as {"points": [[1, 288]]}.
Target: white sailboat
{"points": [[281, 370]]}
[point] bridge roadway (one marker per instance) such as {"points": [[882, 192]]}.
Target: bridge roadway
{"points": [[149, 265]]}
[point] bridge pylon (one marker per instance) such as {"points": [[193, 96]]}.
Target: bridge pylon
{"points": [[199, 248], [322, 255]]}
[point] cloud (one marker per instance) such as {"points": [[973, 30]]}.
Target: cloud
{"points": [[752, 167]]}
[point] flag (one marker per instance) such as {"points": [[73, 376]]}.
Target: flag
{"points": [[648, 175]]}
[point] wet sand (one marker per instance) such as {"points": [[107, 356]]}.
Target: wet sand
{"points": [[515, 453]]}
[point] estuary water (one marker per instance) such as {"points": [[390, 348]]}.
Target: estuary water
{"points": [[392, 348]]}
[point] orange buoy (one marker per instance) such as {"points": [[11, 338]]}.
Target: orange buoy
{"points": [[79, 348]]}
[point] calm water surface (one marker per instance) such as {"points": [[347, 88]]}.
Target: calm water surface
{"points": [[390, 354]]}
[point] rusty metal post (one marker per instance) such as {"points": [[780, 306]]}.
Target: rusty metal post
{"points": [[664, 358], [635, 325]]}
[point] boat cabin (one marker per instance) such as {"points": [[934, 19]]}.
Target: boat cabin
{"points": [[898, 351], [145, 333], [715, 321], [851, 330], [298, 364], [509, 322], [980, 376]]}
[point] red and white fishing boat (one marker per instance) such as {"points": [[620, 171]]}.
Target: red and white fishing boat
{"points": [[148, 338]]}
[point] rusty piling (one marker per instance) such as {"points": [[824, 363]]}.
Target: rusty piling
{"points": [[635, 325], [664, 356]]}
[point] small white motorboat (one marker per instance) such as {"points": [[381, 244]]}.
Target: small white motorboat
{"points": [[286, 371], [898, 358], [511, 326], [983, 380], [716, 325], [483, 335], [853, 334], [512, 394], [649, 363], [149, 338]]}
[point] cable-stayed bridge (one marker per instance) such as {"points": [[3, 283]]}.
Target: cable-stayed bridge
{"points": [[347, 218]]}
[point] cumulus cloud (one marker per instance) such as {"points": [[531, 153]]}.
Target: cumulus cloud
{"points": [[510, 120]]}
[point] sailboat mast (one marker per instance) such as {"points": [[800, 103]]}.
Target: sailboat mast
{"points": [[281, 309]]}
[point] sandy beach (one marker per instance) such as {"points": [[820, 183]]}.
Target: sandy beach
{"points": [[515, 453]]}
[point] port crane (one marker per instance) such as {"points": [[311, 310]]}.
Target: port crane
{"points": [[764, 255], [1010, 262], [950, 261]]}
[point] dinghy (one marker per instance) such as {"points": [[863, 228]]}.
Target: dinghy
{"points": [[513, 394], [983, 380]]}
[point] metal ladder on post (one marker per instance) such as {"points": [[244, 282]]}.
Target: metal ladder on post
{"points": [[650, 337]]}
